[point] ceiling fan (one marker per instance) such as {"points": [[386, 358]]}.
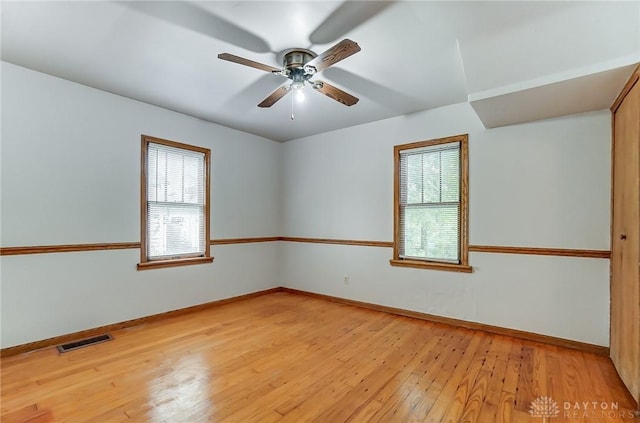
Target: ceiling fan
{"points": [[300, 65]]}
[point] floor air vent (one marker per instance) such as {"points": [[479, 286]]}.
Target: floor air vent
{"points": [[83, 343]]}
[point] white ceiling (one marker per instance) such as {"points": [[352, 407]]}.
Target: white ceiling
{"points": [[514, 61]]}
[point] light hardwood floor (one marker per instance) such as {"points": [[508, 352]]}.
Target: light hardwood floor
{"points": [[290, 358]]}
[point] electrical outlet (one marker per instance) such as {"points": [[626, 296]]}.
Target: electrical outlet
{"points": [[346, 280]]}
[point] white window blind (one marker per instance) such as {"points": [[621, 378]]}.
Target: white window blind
{"points": [[430, 203], [175, 202]]}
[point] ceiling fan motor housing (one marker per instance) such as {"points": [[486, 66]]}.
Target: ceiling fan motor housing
{"points": [[294, 62], [297, 58]]}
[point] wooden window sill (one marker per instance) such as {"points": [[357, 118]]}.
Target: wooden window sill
{"points": [[173, 263], [432, 265]]}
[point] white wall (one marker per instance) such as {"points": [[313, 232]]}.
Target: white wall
{"points": [[70, 154], [544, 184], [70, 174]]}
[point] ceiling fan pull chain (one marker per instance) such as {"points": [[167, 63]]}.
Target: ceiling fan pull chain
{"points": [[292, 115]]}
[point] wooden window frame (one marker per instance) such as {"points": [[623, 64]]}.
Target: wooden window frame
{"points": [[145, 262], [463, 266]]}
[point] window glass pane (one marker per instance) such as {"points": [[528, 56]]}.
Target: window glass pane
{"points": [[431, 232], [175, 230], [414, 178], [152, 174], [431, 175], [193, 180], [161, 170], [450, 178], [175, 178]]}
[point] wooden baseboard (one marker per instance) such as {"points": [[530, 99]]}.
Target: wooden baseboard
{"points": [[529, 336], [57, 340]]}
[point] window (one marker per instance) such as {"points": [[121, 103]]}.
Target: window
{"points": [[430, 204], [174, 204]]}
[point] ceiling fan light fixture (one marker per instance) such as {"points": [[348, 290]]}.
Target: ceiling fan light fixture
{"points": [[297, 85]]}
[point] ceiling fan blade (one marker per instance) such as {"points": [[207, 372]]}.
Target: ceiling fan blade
{"points": [[195, 17], [247, 62], [335, 93], [340, 51], [348, 16], [275, 96], [244, 100]]}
